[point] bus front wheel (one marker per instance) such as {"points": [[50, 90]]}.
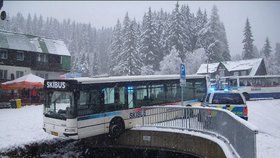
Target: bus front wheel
{"points": [[116, 127]]}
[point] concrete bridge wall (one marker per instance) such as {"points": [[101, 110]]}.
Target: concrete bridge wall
{"points": [[177, 142]]}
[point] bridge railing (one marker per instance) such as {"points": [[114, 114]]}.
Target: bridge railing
{"points": [[238, 133]]}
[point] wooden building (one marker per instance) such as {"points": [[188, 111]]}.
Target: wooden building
{"points": [[21, 54], [252, 67]]}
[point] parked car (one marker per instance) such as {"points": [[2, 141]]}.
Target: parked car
{"points": [[231, 100]]}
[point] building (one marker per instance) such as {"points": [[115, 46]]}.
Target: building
{"points": [[21, 54], [250, 67]]}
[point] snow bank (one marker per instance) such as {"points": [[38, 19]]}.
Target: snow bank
{"points": [[265, 115], [21, 126]]}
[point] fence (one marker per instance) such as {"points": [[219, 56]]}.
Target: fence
{"points": [[221, 123]]}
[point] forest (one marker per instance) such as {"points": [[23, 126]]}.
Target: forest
{"points": [[155, 45]]}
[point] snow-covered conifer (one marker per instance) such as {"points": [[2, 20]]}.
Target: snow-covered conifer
{"points": [[171, 63], [176, 33], [248, 42], [149, 44]]}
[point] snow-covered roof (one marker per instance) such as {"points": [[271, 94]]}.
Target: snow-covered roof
{"points": [[212, 67], [132, 78], [17, 41], [252, 64]]}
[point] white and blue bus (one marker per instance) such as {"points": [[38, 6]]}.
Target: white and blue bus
{"points": [[255, 87], [84, 107]]}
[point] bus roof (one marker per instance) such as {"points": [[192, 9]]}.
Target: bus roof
{"points": [[88, 80], [264, 76]]}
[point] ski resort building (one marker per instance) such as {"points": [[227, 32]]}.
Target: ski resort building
{"points": [[250, 67], [21, 54]]}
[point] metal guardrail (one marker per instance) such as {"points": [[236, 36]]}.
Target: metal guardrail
{"points": [[238, 133]]}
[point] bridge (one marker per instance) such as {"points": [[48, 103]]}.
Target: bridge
{"points": [[200, 132]]}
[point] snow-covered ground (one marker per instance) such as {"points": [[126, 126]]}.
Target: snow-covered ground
{"points": [[23, 126], [265, 115]]}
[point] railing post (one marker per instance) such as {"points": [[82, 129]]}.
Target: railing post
{"points": [[143, 124]]}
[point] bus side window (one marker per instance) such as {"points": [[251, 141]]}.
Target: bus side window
{"points": [[207, 98], [84, 103], [130, 97], [120, 98]]}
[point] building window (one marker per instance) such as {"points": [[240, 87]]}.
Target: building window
{"points": [[3, 54], [222, 72], [20, 56], [243, 73], [3, 74], [42, 58], [19, 74], [235, 73]]}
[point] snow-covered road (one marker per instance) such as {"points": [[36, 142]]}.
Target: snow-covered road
{"points": [[23, 126]]}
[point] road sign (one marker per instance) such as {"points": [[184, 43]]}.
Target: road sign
{"points": [[182, 75]]}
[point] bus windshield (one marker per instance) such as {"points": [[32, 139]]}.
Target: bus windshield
{"points": [[59, 105]]}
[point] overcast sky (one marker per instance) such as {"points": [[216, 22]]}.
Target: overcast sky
{"points": [[264, 16]]}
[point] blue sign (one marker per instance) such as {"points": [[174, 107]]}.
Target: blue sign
{"points": [[182, 74]]}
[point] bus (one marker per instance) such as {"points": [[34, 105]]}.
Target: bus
{"points": [[84, 107], [255, 87]]}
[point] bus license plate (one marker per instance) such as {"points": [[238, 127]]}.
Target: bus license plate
{"points": [[54, 133]]}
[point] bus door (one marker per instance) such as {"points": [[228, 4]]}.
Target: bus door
{"points": [[91, 113]]}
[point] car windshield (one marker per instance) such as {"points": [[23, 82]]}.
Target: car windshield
{"points": [[58, 105], [227, 98]]}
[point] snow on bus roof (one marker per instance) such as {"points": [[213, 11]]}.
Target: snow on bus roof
{"points": [[111, 79], [263, 76]]}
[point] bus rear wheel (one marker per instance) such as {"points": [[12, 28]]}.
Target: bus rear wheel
{"points": [[116, 128]]}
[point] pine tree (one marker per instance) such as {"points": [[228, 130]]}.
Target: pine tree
{"points": [[28, 24], [248, 42], [225, 48], [116, 46], [171, 63], [213, 39], [149, 45], [176, 33], [189, 28], [256, 52], [40, 25], [277, 53], [83, 65], [162, 27], [267, 49], [199, 23], [35, 25], [129, 60]]}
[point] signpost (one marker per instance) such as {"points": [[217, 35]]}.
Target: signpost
{"points": [[182, 81]]}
